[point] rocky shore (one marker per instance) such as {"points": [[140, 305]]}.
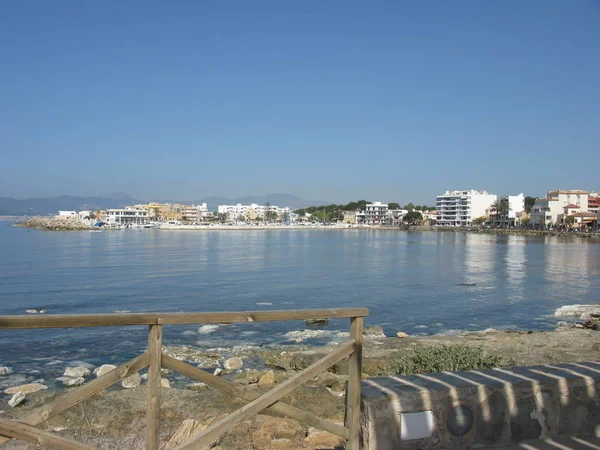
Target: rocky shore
{"points": [[116, 418], [54, 224]]}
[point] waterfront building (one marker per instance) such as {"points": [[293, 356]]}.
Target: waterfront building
{"points": [[194, 213], [513, 216], [252, 212], [350, 217], [550, 211], [594, 202], [396, 216], [376, 213], [127, 216], [460, 208], [67, 214]]}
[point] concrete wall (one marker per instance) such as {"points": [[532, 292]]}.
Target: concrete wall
{"points": [[481, 408]]}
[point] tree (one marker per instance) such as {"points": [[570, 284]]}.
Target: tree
{"points": [[480, 220], [529, 202], [413, 217], [222, 217], [394, 205], [410, 207], [494, 209]]}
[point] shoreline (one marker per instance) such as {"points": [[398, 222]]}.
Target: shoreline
{"points": [[47, 224]]}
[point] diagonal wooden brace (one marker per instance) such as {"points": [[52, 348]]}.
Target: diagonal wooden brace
{"points": [[231, 389], [65, 401], [31, 434], [215, 431]]}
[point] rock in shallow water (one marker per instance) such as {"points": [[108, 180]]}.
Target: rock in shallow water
{"points": [[373, 332], [233, 363], [26, 388], [267, 380], [77, 372], [4, 371], [17, 399]]}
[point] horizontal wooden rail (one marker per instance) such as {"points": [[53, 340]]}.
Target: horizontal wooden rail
{"points": [[27, 433], [116, 320]]}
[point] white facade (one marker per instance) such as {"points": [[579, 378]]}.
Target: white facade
{"points": [[460, 208], [127, 216], [376, 213], [396, 216], [250, 211], [68, 214], [549, 211]]}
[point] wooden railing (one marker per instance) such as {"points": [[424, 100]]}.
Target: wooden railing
{"points": [[154, 359]]}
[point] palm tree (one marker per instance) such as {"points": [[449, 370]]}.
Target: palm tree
{"points": [[494, 208]]}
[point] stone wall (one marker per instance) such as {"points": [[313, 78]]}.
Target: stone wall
{"points": [[481, 408]]}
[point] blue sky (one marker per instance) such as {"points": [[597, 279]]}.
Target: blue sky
{"points": [[335, 100]]}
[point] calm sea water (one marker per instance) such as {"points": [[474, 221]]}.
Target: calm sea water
{"points": [[414, 282]]}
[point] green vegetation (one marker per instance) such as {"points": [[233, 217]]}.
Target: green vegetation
{"points": [[413, 217], [333, 211], [440, 358], [529, 202]]}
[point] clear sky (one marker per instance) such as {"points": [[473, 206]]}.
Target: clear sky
{"points": [[328, 100]]}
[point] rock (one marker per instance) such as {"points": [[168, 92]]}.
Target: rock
{"points": [[132, 382], [321, 439], [144, 376], [73, 381], [188, 429], [5, 371], [562, 324], [77, 372], [316, 321], [26, 388], [401, 334], [31, 311], [233, 363], [217, 371], [244, 381], [267, 380], [196, 386], [104, 369], [17, 399], [165, 383], [375, 332], [583, 312]]}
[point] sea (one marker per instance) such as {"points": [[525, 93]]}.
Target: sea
{"points": [[421, 283]]}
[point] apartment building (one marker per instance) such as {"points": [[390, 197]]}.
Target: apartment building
{"points": [[252, 211], [194, 213], [127, 216], [460, 208], [551, 211], [376, 213]]}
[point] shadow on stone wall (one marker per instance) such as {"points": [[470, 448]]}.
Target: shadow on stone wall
{"points": [[482, 407]]}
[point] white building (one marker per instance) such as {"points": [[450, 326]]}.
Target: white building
{"points": [[127, 216], [253, 211], [549, 211], [460, 208], [516, 207], [376, 213], [67, 214]]}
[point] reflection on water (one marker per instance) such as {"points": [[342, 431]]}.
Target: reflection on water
{"points": [[413, 282]]}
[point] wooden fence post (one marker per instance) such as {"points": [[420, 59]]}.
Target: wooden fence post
{"points": [[353, 391], [153, 412]]}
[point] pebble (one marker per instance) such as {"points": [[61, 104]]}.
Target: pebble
{"points": [[17, 399], [196, 386], [217, 371]]}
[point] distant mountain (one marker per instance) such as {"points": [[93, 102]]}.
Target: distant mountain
{"points": [[50, 205], [40, 206], [282, 200]]}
